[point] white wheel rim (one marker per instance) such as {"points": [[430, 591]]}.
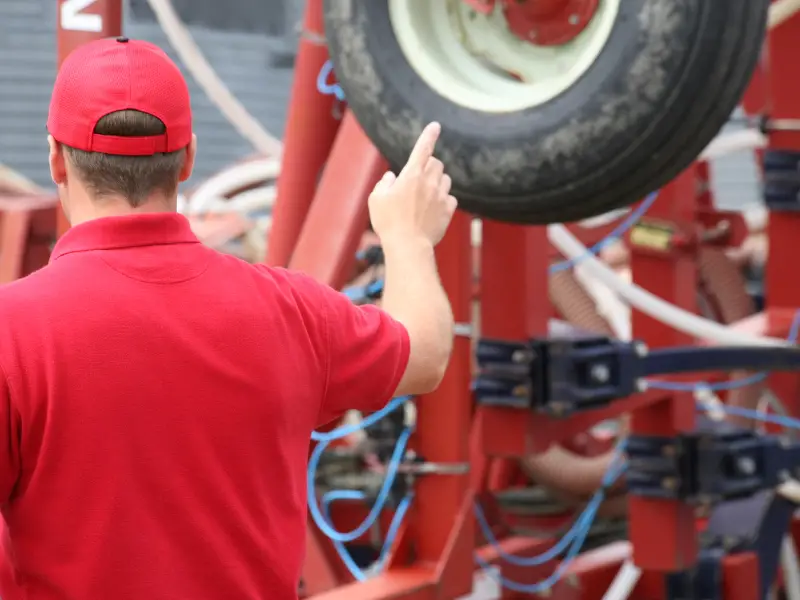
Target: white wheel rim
{"points": [[469, 58]]}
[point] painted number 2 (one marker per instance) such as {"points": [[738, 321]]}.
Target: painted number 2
{"points": [[73, 17]]}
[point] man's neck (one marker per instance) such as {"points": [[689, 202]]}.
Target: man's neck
{"points": [[119, 207]]}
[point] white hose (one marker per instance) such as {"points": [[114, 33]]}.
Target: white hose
{"points": [[781, 10], [243, 175], [260, 199], [18, 181], [790, 568], [205, 76], [732, 143], [650, 304], [625, 581]]}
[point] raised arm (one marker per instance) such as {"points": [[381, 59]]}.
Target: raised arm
{"points": [[373, 354], [410, 214]]}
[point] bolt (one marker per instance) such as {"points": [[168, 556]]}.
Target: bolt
{"points": [[519, 391], [746, 465], [521, 356], [600, 373], [641, 385], [574, 19], [706, 539], [531, 35], [706, 503], [729, 542], [640, 349]]}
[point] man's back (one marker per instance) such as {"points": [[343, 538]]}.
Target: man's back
{"points": [[159, 398]]}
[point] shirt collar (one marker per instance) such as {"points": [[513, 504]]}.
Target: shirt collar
{"points": [[129, 231]]}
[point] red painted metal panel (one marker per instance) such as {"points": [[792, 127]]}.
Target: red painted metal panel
{"points": [[339, 215], [310, 131]]}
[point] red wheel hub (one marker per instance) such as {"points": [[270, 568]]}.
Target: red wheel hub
{"points": [[548, 22]]}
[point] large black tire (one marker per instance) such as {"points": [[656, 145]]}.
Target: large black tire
{"points": [[665, 83]]}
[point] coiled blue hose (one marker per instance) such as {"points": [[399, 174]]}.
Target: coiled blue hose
{"points": [[324, 87], [394, 527], [380, 502]]}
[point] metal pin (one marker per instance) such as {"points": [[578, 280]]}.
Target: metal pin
{"points": [[783, 125], [463, 330], [431, 468]]}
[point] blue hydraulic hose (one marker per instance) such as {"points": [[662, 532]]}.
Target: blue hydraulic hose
{"points": [[356, 571], [380, 502], [345, 430], [584, 520], [582, 531], [612, 237], [325, 88]]}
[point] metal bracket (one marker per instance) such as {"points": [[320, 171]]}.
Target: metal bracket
{"points": [[708, 466], [372, 255], [574, 372], [432, 468], [781, 125], [558, 376]]}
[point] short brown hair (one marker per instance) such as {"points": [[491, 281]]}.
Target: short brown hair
{"points": [[133, 177]]}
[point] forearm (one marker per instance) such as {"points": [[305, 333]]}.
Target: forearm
{"points": [[413, 295]]}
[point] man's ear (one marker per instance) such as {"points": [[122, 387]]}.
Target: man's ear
{"points": [[58, 166], [188, 163]]}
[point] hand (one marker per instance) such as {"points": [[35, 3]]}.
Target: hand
{"points": [[417, 203]]}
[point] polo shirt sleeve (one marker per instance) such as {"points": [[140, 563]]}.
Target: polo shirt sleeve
{"points": [[9, 441], [366, 354]]}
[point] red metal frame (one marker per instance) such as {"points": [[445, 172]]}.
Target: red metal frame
{"points": [[26, 235], [310, 131]]}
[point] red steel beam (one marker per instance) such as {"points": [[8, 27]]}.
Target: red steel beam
{"points": [[311, 127], [338, 216], [79, 22], [442, 521], [782, 287], [515, 306]]}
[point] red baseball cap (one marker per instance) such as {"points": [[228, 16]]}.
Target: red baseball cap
{"points": [[110, 75]]}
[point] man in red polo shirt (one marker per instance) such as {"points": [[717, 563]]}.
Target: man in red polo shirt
{"points": [[156, 396]]}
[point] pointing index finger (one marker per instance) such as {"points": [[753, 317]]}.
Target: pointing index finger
{"points": [[424, 147]]}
